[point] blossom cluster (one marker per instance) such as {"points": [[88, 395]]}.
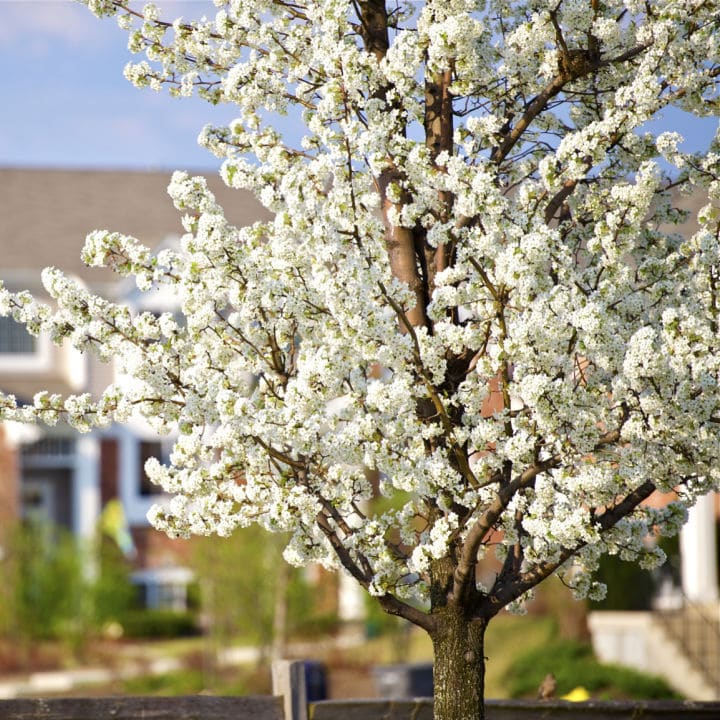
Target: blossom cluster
{"points": [[569, 347]]}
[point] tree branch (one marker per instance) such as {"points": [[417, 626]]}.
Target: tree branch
{"points": [[504, 594], [571, 70], [464, 576]]}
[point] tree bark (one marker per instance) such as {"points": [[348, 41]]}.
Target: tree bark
{"points": [[402, 252], [459, 670]]}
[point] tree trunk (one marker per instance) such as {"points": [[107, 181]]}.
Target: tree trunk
{"points": [[459, 670]]}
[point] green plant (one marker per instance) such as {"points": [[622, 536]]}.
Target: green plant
{"points": [[240, 581], [508, 638], [631, 588], [47, 573], [573, 665], [192, 680], [315, 625], [58, 587], [159, 623], [180, 682], [628, 587], [112, 592]]}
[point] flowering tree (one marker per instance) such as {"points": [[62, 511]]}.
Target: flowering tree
{"points": [[476, 284]]}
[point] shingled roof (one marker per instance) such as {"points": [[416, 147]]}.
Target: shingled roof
{"points": [[45, 214]]}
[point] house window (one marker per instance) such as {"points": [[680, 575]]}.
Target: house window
{"points": [[37, 502], [49, 447], [15, 339], [163, 588], [172, 596], [152, 449]]}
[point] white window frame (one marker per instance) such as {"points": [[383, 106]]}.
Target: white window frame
{"points": [[38, 361], [135, 503]]}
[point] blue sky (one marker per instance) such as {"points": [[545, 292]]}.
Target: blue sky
{"points": [[66, 103]]}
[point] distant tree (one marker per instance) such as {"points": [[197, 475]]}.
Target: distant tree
{"points": [[50, 590], [474, 284], [239, 578], [248, 593]]}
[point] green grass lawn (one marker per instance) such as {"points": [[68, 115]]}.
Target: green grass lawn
{"points": [[507, 638]]}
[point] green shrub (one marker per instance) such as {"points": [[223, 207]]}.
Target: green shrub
{"points": [[190, 681], [46, 585], [377, 621], [111, 590], [158, 623], [56, 586], [315, 625], [631, 588], [574, 665], [180, 682], [628, 587]]}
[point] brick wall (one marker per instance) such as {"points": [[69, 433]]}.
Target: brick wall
{"points": [[155, 549], [109, 469], [9, 485]]}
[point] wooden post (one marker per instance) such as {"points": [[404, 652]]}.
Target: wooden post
{"points": [[288, 681]]}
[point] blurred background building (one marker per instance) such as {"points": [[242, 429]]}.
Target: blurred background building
{"points": [[53, 475]]}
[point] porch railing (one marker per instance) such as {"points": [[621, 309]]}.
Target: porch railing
{"points": [[698, 634]]}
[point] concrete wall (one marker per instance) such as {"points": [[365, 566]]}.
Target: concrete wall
{"points": [[637, 640]]}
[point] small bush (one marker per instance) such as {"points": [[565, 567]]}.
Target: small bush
{"points": [[158, 623], [573, 665], [316, 625], [181, 682], [628, 587], [190, 681]]}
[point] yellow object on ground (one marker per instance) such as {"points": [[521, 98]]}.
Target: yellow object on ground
{"points": [[578, 694]]}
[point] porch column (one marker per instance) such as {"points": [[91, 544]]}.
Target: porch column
{"points": [[699, 553], [86, 487], [351, 600]]}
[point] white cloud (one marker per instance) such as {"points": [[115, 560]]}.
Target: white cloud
{"points": [[38, 23]]}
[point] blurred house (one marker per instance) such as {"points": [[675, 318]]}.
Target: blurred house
{"points": [[55, 474]]}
